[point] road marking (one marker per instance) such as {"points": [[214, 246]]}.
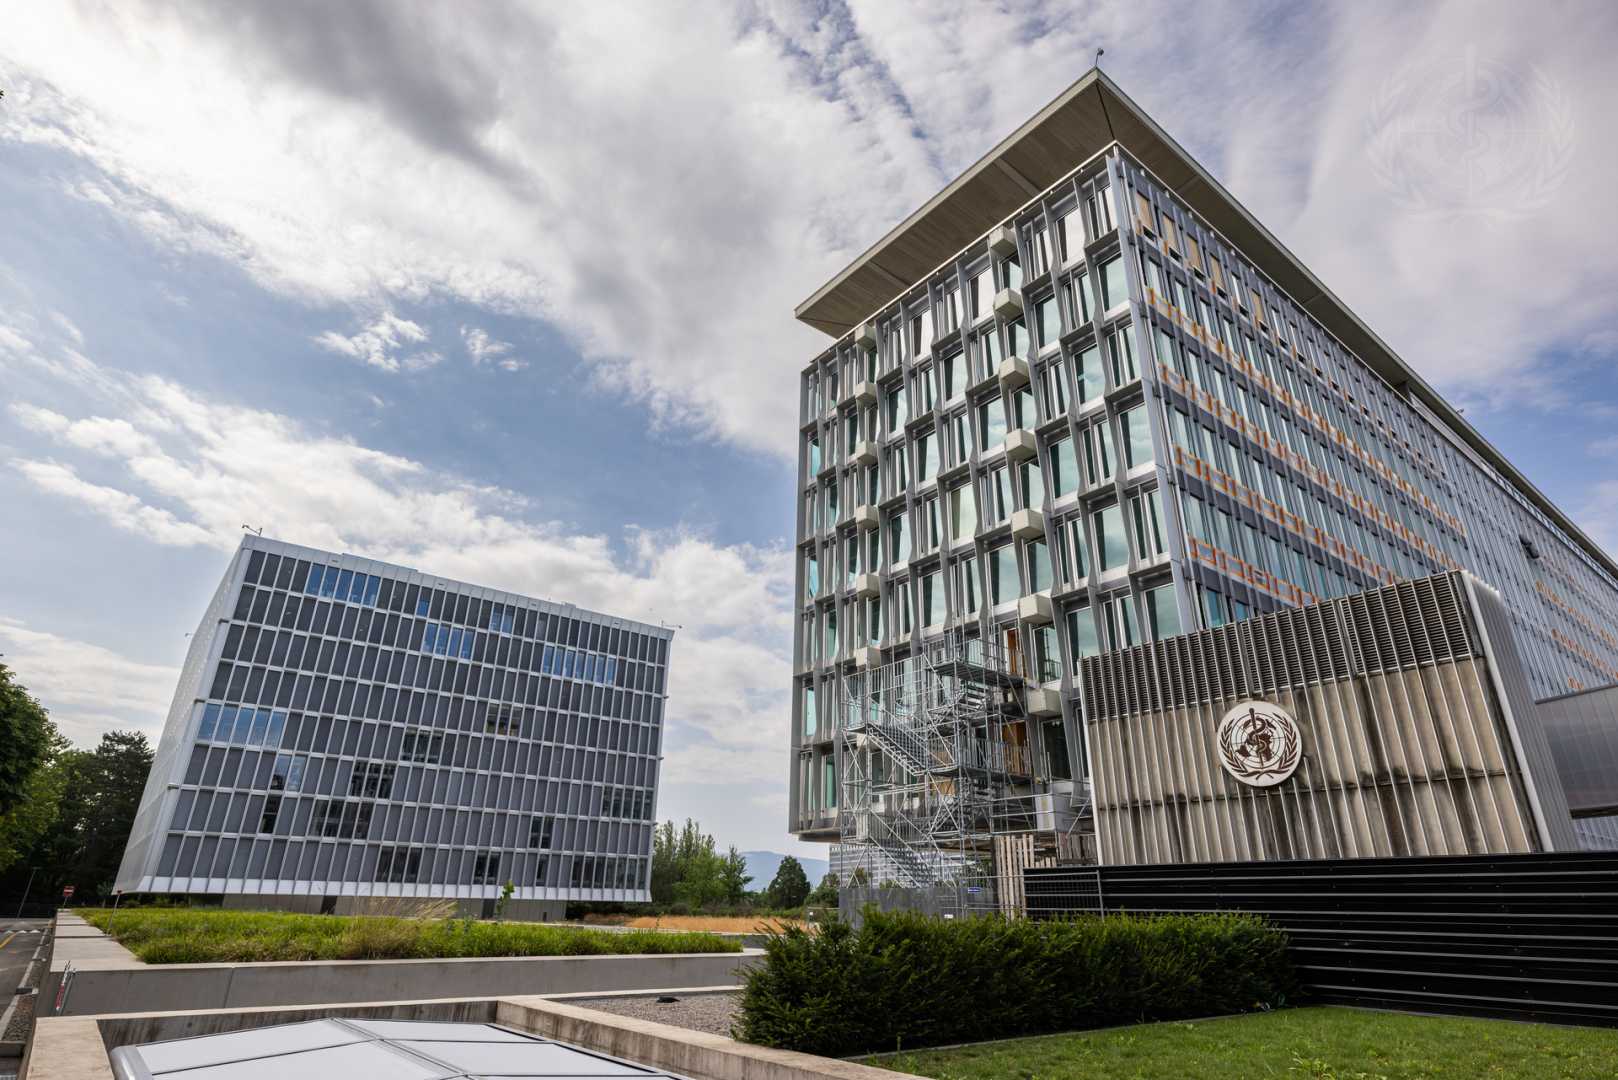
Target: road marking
{"points": [[7, 941]]}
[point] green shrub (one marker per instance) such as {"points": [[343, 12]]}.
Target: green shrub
{"points": [[906, 980], [200, 935]]}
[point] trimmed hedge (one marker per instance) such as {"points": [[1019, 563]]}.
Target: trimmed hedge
{"points": [[905, 980]]}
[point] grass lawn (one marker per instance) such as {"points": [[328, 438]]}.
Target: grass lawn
{"points": [[1299, 1044], [204, 935]]}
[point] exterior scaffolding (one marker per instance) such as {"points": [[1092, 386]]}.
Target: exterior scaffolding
{"points": [[935, 763]]}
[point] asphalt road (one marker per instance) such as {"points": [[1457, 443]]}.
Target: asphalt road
{"points": [[21, 938]]}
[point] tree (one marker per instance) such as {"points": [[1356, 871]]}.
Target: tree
{"points": [[101, 791], [735, 876], [26, 739], [791, 885], [825, 894], [22, 829]]}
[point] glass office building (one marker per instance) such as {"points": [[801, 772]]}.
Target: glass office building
{"points": [[1083, 400], [346, 729]]}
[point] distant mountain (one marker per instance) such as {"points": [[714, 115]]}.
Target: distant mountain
{"points": [[762, 865]]}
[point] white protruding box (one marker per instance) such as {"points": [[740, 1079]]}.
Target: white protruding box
{"points": [[1041, 702], [864, 453], [864, 392], [1028, 525], [1002, 241], [1020, 444], [868, 656], [867, 517], [1036, 609], [1008, 303], [865, 335], [1013, 373], [867, 585]]}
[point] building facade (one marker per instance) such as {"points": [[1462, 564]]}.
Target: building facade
{"points": [[1081, 400], [1393, 722], [346, 729]]}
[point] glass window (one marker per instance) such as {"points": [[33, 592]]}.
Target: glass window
{"points": [[1162, 612], [899, 537], [1049, 320], [810, 717], [991, 422], [963, 514], [1118, 622], [1114, 285], [1092, 382], [1137, 436], [967, 585], [1111, 543], [1146, 514], [1030, 485], [932, 599], [988, 353], [927, 455], [1053, 381], [1073, 550], [1081, 635], [1047, 658], [1098, 452], [1064, 468], [814, 456], [897, 409], [1004, 585], [828, 772], [1038, 561], [960, 427], [1121, 354], [955, 377], [1017, 338], [210, 722], [811, 575], [998, 489]]}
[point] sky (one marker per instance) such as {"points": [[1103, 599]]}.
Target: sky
{"points": [[504, 291]]}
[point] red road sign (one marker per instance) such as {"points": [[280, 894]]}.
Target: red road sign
{"points": [[67, 892]]}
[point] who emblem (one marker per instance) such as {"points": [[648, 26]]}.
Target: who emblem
{"points": [[1259, 743]]}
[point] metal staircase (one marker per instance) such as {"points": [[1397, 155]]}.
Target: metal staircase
{"points": [[926, 771]]}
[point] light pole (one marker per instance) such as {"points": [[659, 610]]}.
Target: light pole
{"points": [[32, 870]]}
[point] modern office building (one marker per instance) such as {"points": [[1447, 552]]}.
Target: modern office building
{"points": [[1082, 400], [346, 729]]}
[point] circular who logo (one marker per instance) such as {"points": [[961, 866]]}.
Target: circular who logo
{"points": [[1259, 743]]}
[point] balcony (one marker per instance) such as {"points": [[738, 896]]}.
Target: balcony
{"points": [[1003, 241], [864, 392], [864, 453], [868, 656], [1028, 525], [1020, 444], [1013, 373], [867, 586], [867, 517], [1035, 609], [865, 335], [1008, 303]]}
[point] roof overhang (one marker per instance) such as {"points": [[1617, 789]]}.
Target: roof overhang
{"points": [[1079, 123]]}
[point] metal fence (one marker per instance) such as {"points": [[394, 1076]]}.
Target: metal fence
{"points": [[1533, 937]]}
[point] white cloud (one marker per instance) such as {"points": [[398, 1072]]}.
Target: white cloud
{"points": [[485, 350], [68, 327], [380, 344], [194, 468], [672, 179], [89, 690]]}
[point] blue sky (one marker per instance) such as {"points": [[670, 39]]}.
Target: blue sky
{"points": [[506, 292]]}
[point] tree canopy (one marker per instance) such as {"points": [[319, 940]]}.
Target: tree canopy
{"points": [[26, 739], [791, 885]]}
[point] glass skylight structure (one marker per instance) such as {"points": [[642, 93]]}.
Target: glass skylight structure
{"points": [[343, 1049], [347, 729]]}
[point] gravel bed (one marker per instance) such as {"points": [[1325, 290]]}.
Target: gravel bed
{"points": [[17, 1030], [712, 1013]]}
